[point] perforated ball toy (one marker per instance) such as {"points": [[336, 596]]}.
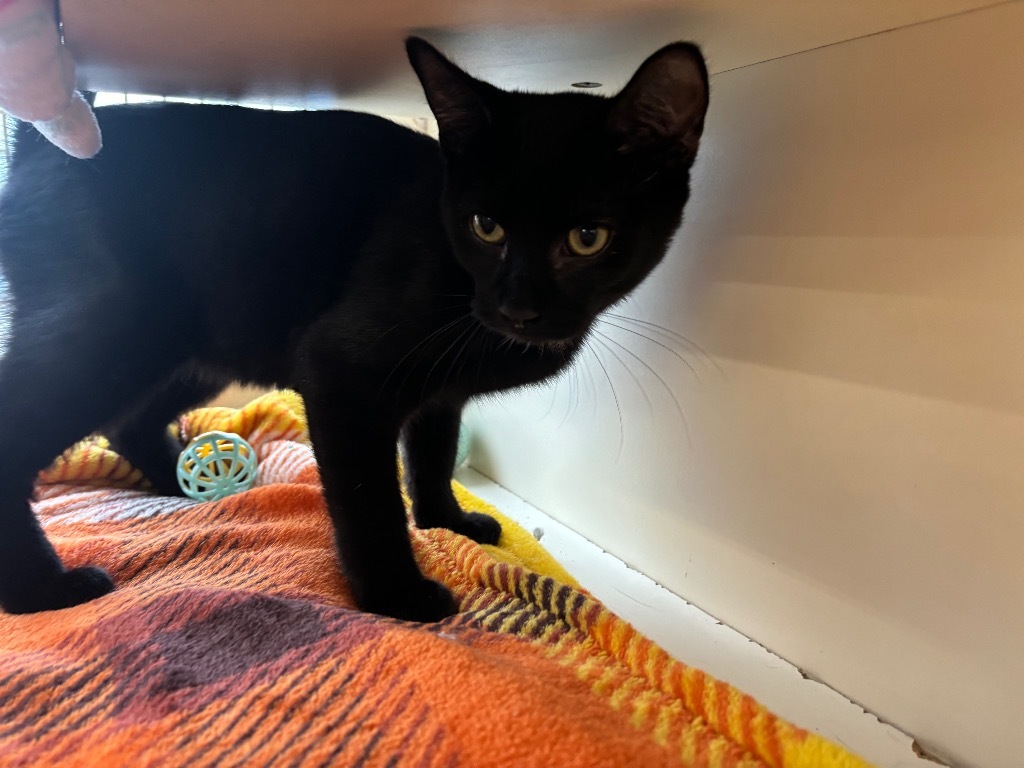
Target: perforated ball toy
{"points": [[215, 465]]}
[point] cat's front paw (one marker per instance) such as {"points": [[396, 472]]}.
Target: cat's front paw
{"points": [[481, 528], [423, 600], [165, 486], [63, 590], [162, 470]]}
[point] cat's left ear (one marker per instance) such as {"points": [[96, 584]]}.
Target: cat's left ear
{"points": [[458, 101], [663, 106]]}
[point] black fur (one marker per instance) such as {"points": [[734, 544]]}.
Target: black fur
{"points": [[333, 253]]}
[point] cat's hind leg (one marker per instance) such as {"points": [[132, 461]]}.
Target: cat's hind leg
{"points": [[70, 368], [430, 440]]}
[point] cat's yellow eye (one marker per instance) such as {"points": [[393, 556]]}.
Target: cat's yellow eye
{"points": [[488, 230], [588, 241]]}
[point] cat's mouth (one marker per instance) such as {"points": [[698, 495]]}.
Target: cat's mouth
{"points": [[534, 335], [545, 342], [549, 330]]}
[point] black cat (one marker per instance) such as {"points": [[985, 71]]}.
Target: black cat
{"points": [[387, 278]]}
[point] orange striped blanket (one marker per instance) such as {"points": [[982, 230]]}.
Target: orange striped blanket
{"points": [[232, 640]]}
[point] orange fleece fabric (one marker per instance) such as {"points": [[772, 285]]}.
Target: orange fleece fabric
{"points": [[231, 639]]}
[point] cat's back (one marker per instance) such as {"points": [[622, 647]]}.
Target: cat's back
{"points": [[154, 151], [175, 138], [231, 188]]}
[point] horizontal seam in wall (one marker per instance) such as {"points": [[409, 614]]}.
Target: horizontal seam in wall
{"points": [[922, 22]]}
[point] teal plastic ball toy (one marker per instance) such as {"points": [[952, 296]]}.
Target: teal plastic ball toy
{"points": [[215, 465]]}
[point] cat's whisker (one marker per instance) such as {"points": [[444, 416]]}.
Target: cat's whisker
{"points": [[473, 330], [448, 349], [675, 400], [578, 391], [570, 380], [593, 392], [666, 347], [416, 318], [488, 343], [615, 396], [565, 374], [466, 344], [679, 338], [421, 343], [614, 354]]}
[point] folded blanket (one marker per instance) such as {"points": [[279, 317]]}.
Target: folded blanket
{"points": [[232, 640]]}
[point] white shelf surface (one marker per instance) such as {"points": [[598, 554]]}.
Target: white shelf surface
{"points": [[694, 637]]}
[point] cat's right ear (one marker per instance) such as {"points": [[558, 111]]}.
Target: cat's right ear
{"points": [[457, 100], [663, 106]]}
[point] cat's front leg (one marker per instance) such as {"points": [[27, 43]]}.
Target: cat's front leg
{"points": [[431, 439], [356, 450]]}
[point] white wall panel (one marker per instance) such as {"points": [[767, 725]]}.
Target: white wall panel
{"points": [[850, 489], [319, 53]]}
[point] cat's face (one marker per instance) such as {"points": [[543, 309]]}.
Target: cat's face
{"points": [[559, 205]]}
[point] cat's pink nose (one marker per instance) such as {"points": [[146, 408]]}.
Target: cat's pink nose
{"points": [[518, 316]]}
